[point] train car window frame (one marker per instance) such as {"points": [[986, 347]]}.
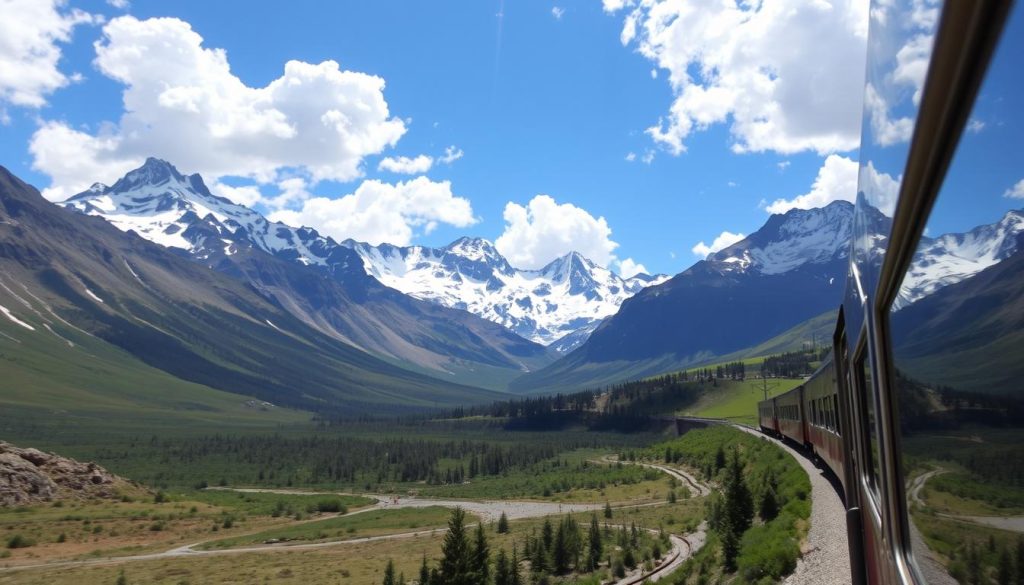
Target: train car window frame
{"points": [[872, 470]]}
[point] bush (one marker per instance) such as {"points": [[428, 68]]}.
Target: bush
{"points": [[334, 506], [19, 541]]}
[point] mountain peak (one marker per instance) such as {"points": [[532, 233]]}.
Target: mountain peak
{"points": [[473, 249], [154, 171]]}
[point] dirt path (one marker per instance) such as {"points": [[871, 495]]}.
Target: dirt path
{"points": [[486, 510], [698, 487]]}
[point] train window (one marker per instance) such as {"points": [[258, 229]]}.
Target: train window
{"points": [[956, 327], [865, 391]]}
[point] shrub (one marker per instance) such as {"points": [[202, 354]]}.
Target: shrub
{"points": [[19, 541]]}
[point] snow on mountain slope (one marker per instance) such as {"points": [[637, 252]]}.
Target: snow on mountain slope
{"points": [[951, 258], [178, 211], [163, 206], [786, 242], [569, 295]]}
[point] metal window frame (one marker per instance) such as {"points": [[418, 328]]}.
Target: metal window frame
{"points": [[965, 41]]}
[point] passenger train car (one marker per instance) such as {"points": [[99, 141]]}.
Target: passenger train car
{"points": [[923, 392]]}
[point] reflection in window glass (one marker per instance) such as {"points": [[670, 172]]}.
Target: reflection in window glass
{"points": [[868, 401], [957, 329]]}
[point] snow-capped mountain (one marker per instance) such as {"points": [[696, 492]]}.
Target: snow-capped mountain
{"points": [[317, 280], [569, 296], [951, 258], [786, 242], [177, 211]]}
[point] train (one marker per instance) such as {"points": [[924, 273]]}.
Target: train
{"points": [[851, 413]]}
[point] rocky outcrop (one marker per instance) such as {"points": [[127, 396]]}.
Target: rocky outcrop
{"points": [[29, 476]]}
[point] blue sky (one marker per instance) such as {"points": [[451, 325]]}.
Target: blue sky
{"points": [[539, 97]]}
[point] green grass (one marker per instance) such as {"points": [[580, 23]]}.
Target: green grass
{"points": [[359, 525], [737, 400], [267, 504], [52, 387]]}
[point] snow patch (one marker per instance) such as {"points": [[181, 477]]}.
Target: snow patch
{"points": [[16, 320], [93, 295]]}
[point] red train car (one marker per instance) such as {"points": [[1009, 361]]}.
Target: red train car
{"points": [[789, 409], [767, 419], [821, 424]]}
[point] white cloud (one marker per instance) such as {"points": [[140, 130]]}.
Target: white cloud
{"points": [[886, 131], [30, 34], [654, 73], [836, 180], [724, 240], [839, 179], [783, 165], [293, 191], [745, 64], [629, 268], [247, 195], [558, 12], [119, 4], [630, 157], [183, 104], [1015, 192], [379, 212], [543, 230], [648, 157], [405, 165], [451, 154], [732, 184], [975, 126]]}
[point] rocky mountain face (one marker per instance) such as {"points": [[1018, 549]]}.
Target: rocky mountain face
{"points": [[317, 280], [29, 476], [65, 275], [565, 299]]}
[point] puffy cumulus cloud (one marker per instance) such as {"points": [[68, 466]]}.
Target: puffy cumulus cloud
{"points": [[543, 229], [724, 240], [880, 189], [558, 12], [839, 179], [746, 64], [182, 103], [836, 179], [628, 268], [1015, 192], [379, 212], [891, 81], [30, 35], [74, 160], [405, 165]]}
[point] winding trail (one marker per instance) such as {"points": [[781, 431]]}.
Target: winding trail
{"points": [[488, 510], [698, 487]]}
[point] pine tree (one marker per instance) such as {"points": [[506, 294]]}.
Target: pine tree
{"points": [[595, 545], [560, 551], [424, 572], [737, 513], [517, 579], [389, 573], [502, 571], [769, 507], [503, 524], [481, 556], [607, 510], [456, 568], [1005, 568]]}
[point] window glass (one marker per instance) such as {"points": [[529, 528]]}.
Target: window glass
{"points": [[957, 330], [865, 390]]}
